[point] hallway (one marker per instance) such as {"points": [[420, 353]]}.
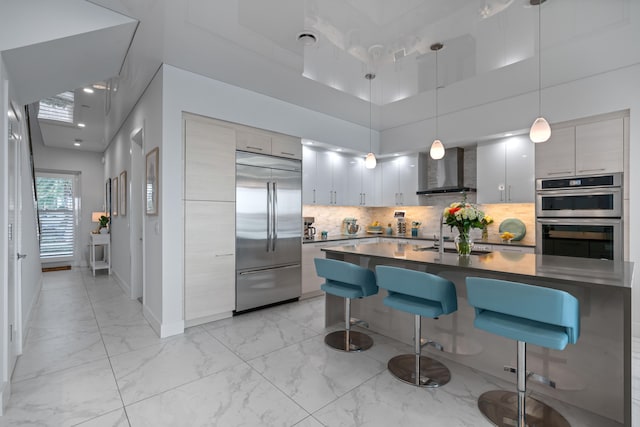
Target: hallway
{"points": [[91, 359]]}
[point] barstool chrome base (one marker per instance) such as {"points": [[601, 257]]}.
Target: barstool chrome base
{"points": [[432, 373], [357, 341], [501, 408]]}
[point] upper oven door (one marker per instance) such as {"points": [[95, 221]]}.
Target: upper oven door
{"points": [[580, 202]]}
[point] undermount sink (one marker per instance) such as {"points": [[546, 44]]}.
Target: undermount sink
{"points": [[448, 250]]}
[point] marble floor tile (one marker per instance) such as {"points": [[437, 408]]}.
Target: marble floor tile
{"points": [[99, 293], [57, 352], [235, 397], [313, 374], [309, 422], [122, 338], [157, 368], [49, 329], [76, 295], [62, 279], [112, 419], [254, 334], [308, 313], [63, 398], [118, 311]]}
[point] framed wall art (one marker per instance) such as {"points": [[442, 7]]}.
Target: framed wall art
{"points": [[107, 197], [116, 196], [122, 203], [152, 188]]}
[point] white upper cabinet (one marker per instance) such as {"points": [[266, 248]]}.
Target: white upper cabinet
{"points": [[309, 187], [264, 142], [506, 171], [327, 185], [361, 183], [583, 149], [599, 147], [400, 181]]}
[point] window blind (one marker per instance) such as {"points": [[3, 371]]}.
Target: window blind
{"points": [[56, 213], [59, 108]]}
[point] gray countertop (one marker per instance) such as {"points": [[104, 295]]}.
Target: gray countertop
{"points": [[581, 271], [336, 238]]}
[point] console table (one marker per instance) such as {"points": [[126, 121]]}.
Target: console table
{"points": [[103, 240]]}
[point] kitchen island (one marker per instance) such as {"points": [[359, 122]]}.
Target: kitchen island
{"points": [[594, 374]]}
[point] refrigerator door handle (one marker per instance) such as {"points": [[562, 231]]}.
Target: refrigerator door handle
{"points": [[269, 196], [274, 213]]}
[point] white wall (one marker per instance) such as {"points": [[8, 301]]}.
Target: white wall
{"points": [[30, 267], [4, 239], [147, 114], [88, 166]]}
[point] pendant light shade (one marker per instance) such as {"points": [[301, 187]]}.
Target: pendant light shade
{"points": [[437, 148], [540, 130], [370, 161]]}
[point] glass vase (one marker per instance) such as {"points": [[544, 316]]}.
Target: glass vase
{"points": [[464, 244]]}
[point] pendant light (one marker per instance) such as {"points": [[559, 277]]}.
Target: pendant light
{"points": [[437, 149], [540, 130], [370, 160]]}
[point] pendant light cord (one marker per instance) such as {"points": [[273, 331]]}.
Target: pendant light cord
{"points": [[539, 59], [437, 93], [370, 114]]}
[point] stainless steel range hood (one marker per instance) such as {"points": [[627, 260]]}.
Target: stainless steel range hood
{"points": [[442, 176]]}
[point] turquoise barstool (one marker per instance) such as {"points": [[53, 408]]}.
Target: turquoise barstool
{"points": [[421, 294], [348, 281], [528, 314]]}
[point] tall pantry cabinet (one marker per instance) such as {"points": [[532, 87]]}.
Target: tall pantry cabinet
{"points": [[209, 218]]}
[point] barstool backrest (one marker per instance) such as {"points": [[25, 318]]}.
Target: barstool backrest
{"points": [[344, 272], [545, 305], [418, 284]]}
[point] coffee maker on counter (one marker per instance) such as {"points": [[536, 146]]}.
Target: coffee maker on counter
{"points": [[309, 231]]}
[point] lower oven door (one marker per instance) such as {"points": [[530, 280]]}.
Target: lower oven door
{"points": [[598, 238]]}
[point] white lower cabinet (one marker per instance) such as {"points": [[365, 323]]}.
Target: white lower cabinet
{"points": [[209, 261]]}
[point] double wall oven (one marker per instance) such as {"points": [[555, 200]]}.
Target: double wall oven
{"points": [[580, 216]]}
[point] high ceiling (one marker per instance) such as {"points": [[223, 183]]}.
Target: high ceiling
{"points": [[254, 44]]}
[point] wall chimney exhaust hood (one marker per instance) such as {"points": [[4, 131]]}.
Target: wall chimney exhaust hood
{"points": [[442, 176]]}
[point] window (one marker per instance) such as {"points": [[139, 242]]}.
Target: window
{"points": [[59, 108], [57, 214]]}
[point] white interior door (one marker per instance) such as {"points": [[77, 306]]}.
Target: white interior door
{"points": [[13, 270], [136, 192]]}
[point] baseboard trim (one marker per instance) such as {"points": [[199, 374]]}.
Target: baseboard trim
{"points": [[123, 285], [32, 306], [153, 321], [170, 329], [311, 294], [5, 394], [206, 319]]}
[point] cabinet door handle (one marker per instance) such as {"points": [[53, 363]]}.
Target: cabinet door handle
{"points": [[364, 198], [287, 154], [254, 148], [591, 170], [560, 173], [221, 255], [335, 197], [501, 196], [402, 198], [314, 196]]}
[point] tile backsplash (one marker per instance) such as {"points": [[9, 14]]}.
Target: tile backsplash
{"points": [[329, 218]]}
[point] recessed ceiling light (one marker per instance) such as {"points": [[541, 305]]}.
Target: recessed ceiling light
{"points": [[396, 154], [307, 38], [81, 125], [77, 144], [508, 134], [88, 90], [338, 149]]}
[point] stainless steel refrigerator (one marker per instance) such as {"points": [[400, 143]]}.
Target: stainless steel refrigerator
{"points": [[268, 230]]}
